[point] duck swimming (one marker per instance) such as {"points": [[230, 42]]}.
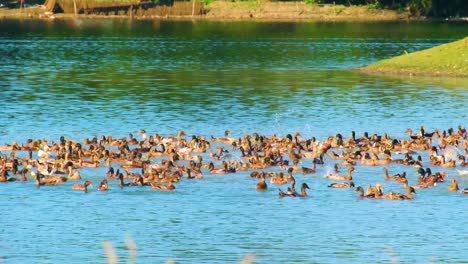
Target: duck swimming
{"points": [[417, 186], [304, 186], [111, 173], [82, 187], [292, 193], [338, 177], [282, 194], [194, 173], [341, 185], [336, 170], [261, 186], [400, 196], [103, 186], [397, 177], [261, 152], [360, 190], [38, 177], [278, 179], [454, 186], [306, 170], [158, 186]]}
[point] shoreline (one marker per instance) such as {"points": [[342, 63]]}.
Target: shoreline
{"points": [[450, 61], [239, 11]]}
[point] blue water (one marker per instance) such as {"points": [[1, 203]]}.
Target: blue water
{"points": [[83, 78]]}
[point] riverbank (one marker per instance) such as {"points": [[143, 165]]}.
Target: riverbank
{"points": [[258, 10], [448, 60], [296, 11]]}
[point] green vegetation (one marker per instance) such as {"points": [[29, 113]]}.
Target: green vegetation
{"points": [[449, 60], [418, 8], [433, 8]]}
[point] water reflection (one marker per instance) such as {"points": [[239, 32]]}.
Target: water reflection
{"points": [[271, 98]]}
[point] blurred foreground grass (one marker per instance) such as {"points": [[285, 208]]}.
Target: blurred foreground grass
{"points": [[132, 249]]}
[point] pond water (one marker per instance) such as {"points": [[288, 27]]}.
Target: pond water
{"points": [[84, 78]]}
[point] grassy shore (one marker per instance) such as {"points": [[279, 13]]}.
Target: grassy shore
{"points": [[248, 10], [266, 10], [448, 60]]}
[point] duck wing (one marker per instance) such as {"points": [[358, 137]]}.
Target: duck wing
{"points": [[284, 194], [338, 185], [335, 177]]}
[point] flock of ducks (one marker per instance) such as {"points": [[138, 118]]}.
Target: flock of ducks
{"points": [[160, 162]]}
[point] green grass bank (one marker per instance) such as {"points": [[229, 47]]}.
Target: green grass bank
{"points": [[447, 60]]}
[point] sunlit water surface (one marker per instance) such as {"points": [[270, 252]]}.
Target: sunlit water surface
{"points": [[82, 78]]}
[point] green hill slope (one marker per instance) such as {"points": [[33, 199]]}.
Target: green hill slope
{"points": [[449, 60]]}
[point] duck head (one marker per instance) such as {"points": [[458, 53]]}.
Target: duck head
{"points": [[88, 183], [420, 172]]}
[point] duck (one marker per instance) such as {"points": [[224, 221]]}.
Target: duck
{"points": [[226, 139], [320, 160], [157, 186], [336, 169], [399, 196], [288, 193], [291, 179], [194, 173], [49, 180], [74, 174], [434, 134], [111, 173], [8, 147], [23, 175], [411, 135], [446, 164], [454, 186], [103, 186], [379, 194], [397, 177], [338, 177], [342, 185], [387, 159], [256, 174], [291, 193], [360, 190], [278, 179], [4, 176], [367, 160], [431, 179], [122, 183], [417, 186], [306, 170], [82, 187], [37, 177], [372, 191], [212, 169], [261, 185], [143, 135], [304, 186], [463, 162], [336, 156]]}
